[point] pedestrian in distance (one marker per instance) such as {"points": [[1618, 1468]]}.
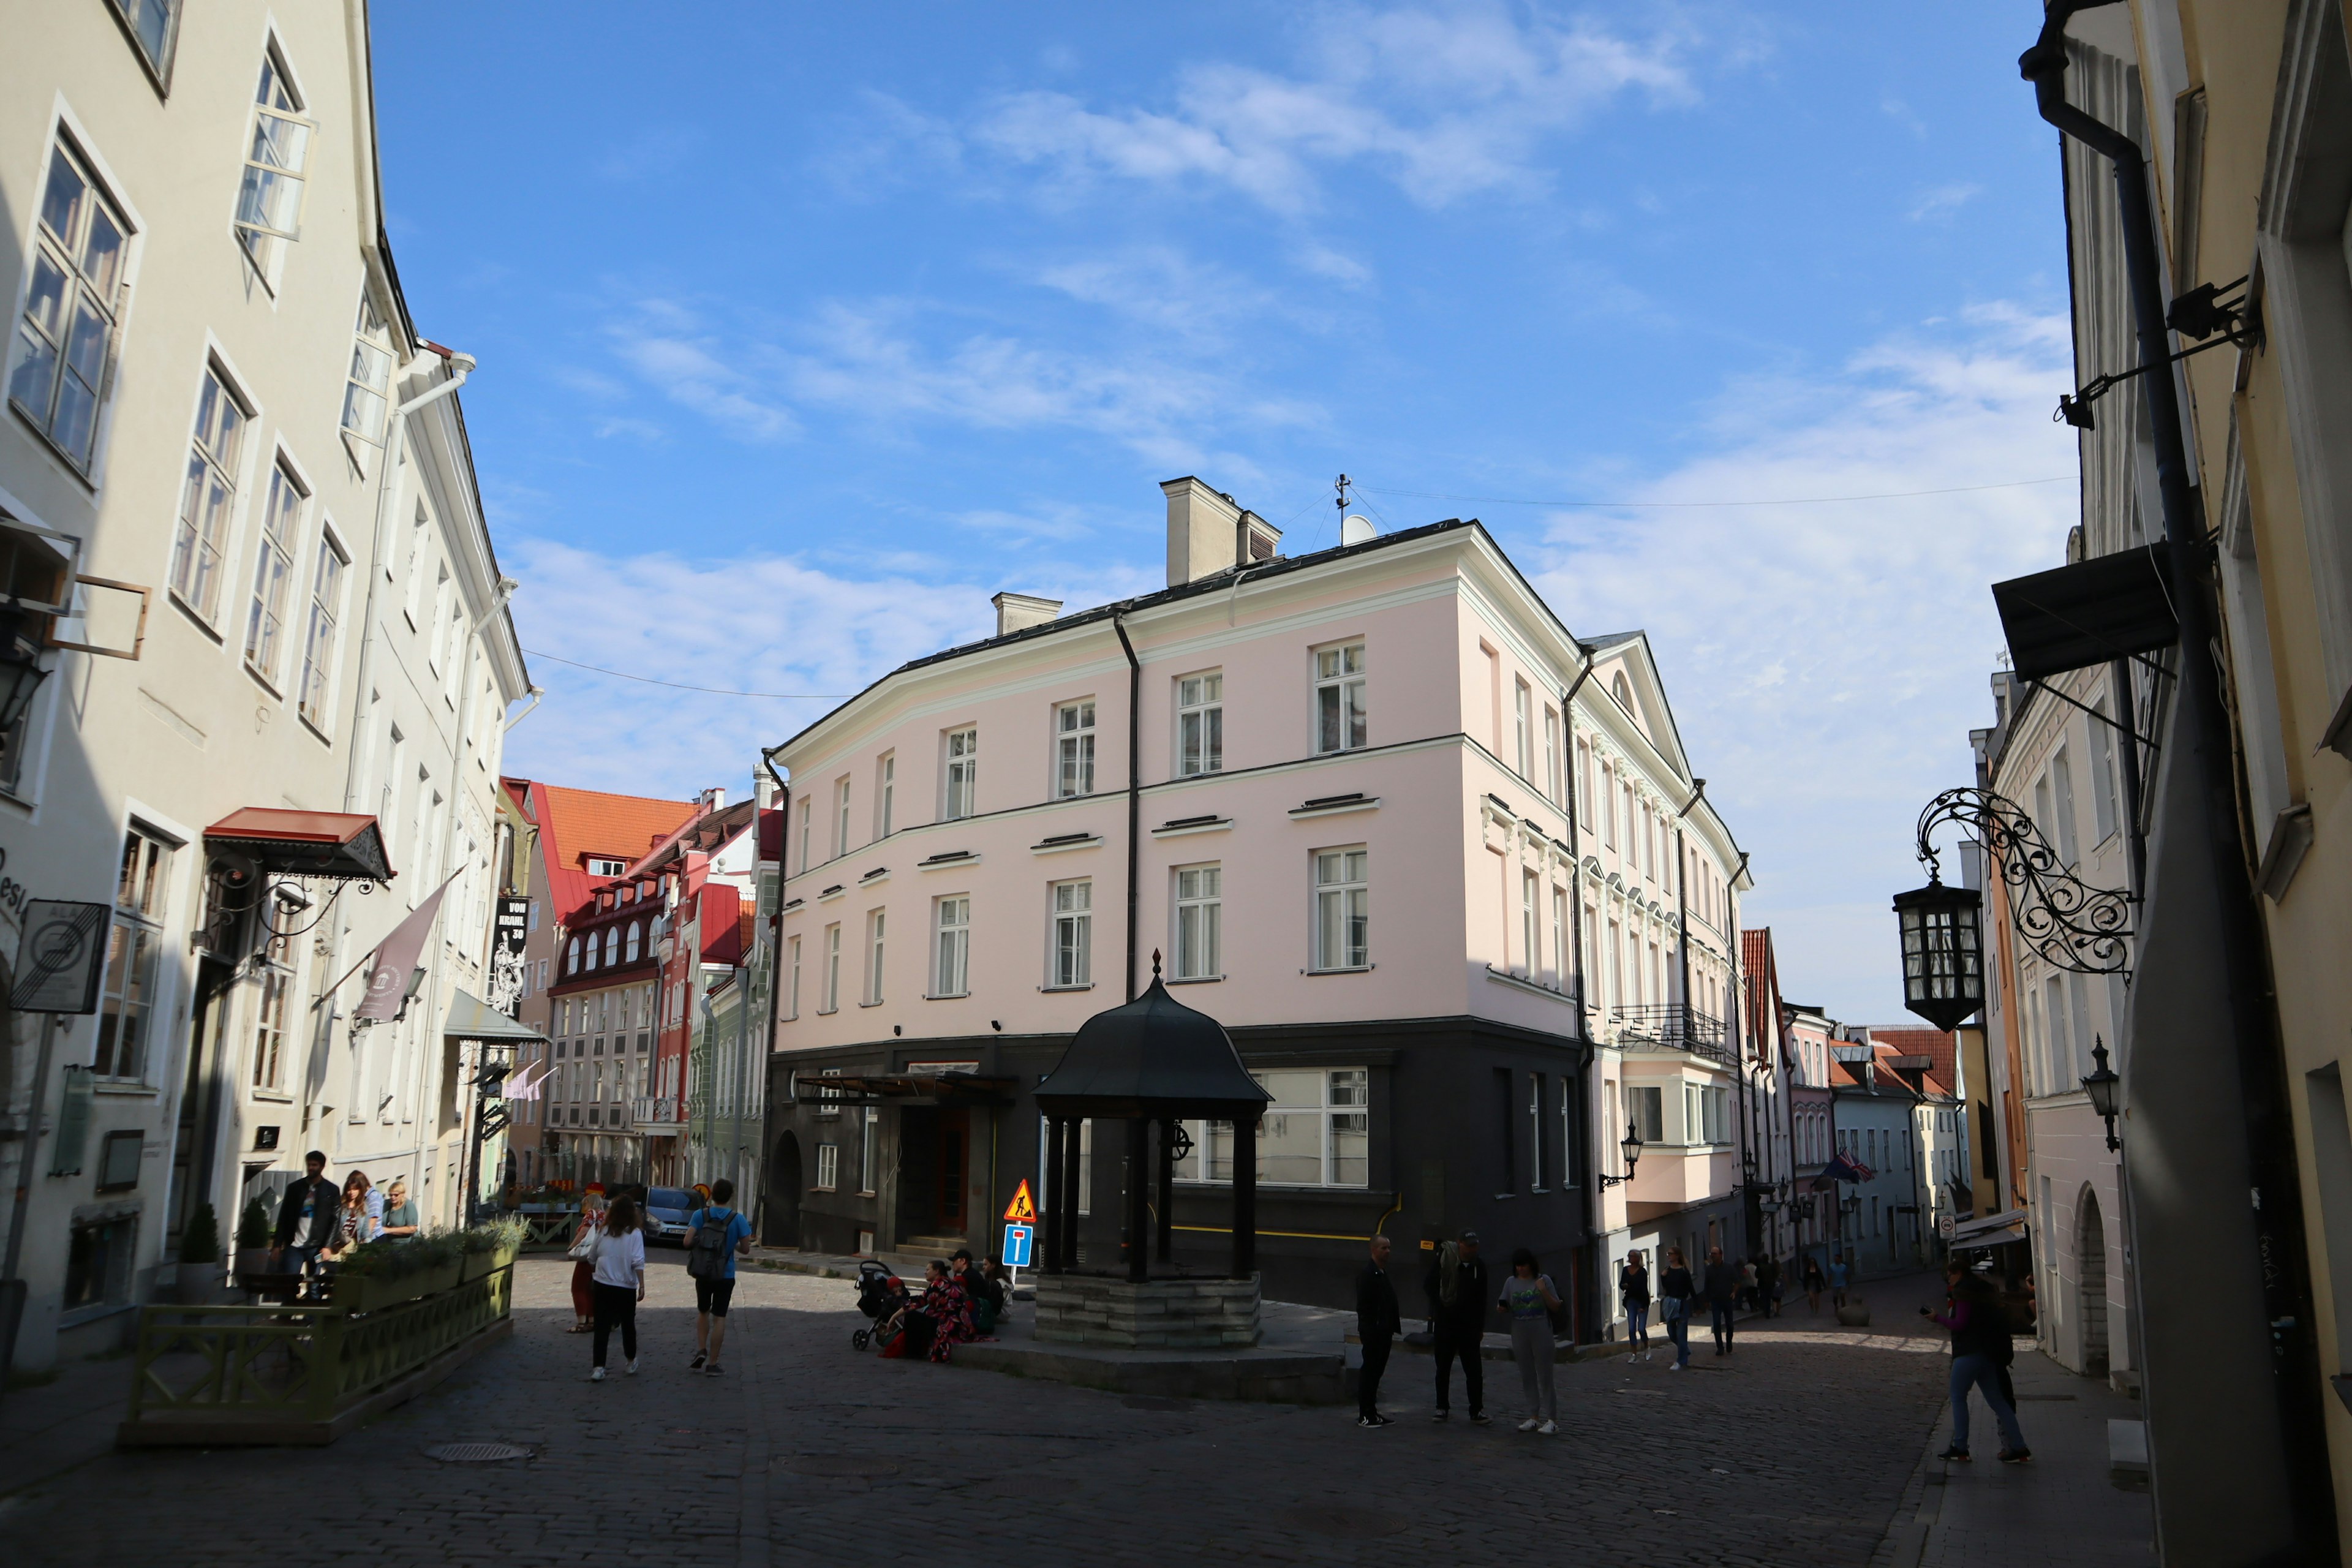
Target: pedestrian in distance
{"points": [[721, 1234], [1837, 1280], [1814, 1286], [618, 1269], [1675, 1293], [1529, 1301], [1768, 1284], [355, 1219], [1458, 1288], [1378, 1322], [1634, 1290], [399, 1213], [1721, 1287], [583, 1255], [306, 1219], [1980, 1346]]}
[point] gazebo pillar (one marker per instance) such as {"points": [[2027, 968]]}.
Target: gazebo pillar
{"points": [[1066, 1184], [1138, 1194], [1166, 1250], [1244, 1196], [1049, 1256]]}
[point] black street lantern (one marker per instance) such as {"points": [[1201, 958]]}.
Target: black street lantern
{"points": [[1631, 1147], [2101, 1086], [1943, 952]]}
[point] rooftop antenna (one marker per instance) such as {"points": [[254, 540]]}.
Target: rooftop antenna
{"points": [[1352, 530], [1341, 486]]}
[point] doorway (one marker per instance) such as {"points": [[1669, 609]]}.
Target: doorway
{"points": [[2091, 1282], [934, 1167], [783, 1216]]}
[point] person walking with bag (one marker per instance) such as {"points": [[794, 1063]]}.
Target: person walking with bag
{"points": [[1456, 1287], [1675, 1294], [618, 1269], [719, 1234], [1634, 1290], [582, 1253], [1378, 1322], [1980, 1344], [1529, 1301]]}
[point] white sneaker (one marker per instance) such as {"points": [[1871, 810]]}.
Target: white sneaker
{"points": [[1648, 1354], [1549, 1428], [1628, 1359], [595, 1374], [1529, 1425], [1673, 1366], [632, 1368]]}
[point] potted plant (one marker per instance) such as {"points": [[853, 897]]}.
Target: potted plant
{"points": [[489, 1247], [252, 1237], [200, 1258]]}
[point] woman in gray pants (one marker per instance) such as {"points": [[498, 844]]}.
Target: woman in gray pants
{"points": [[1531, 1301]]}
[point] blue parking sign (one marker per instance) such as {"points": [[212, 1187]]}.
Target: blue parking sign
{"points": [[1016, 1245]]}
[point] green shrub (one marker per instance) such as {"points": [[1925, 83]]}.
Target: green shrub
{"points": [[398, 1259], [200, 1243], [253, 1229], [507, 1234]]}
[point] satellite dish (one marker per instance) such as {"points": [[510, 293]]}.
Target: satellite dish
{"points": [[1356, 530]]}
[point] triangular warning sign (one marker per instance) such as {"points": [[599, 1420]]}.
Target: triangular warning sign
{"points": [[1022, 1209]]}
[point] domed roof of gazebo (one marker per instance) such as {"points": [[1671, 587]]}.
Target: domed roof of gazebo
{"points": [[1153, 1058]]}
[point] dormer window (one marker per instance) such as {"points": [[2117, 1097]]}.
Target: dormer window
{"points": [[604, 865]]}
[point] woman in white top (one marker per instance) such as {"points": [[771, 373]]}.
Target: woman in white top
{"points": [[618, 1281]]}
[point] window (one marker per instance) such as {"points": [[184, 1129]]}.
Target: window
{"points": [[832, 969], [604, 865], [271, 570], [132, 946], [963, 774], [269, 202], [877, 932], [1560, 938], [869, 1151], [1074, 749], [1645, 1112], [1551, 779], [62, 342], [808, 811], [1339, 698], [1608, 806], [1199, 725], [571, 961], [367, 389], [1567, 1172], [2058, 1054], [793, 992], [2104, 797], [1317, 1132], [828, 1167], [886, 791], [1200, 922], [1530, 930], [1522, 717], [951, 977], [319, 633], [208, 495], [1073, 933], [840, 817], [1584, 784], [1342, 910], [154, 27], [269, 1029], [98, 1263], [2061, 798], [636, 941]]}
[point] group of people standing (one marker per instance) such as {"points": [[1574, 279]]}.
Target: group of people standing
{"points": [[317, 1225], [608, 1274], [1458, 1290]]}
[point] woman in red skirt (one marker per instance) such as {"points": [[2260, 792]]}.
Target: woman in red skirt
{"points": [[584, 1296]]}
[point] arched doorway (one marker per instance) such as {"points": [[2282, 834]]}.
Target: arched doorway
{"points": [[2091, 1282], [783, 1215]]}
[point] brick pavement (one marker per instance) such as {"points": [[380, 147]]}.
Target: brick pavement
{"points": [[1796, 1450]]}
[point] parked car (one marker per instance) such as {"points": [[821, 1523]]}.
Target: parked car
{"points": [[667, 1214]]}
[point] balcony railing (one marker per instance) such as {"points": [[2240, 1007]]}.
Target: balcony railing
{"points": [[1669, 1026]]}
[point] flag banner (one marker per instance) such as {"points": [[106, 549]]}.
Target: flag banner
{"points": [[395, 959], [526, 1084]]}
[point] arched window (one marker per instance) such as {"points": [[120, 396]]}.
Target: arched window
{"points": [[636, 935], [1622, 690], [612, 946], [571, 962]]}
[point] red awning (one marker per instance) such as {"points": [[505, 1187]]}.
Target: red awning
{"points": [[330, 844]]}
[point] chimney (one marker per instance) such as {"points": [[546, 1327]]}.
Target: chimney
{"points": [[712, 799], [1014, 611], [1204, 531], [1255, 539]]}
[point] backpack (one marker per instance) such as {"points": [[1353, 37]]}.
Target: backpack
{"points": [[706, 1251]]}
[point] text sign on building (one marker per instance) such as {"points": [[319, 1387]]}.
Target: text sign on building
{"points": [[510, 933], [60, 957], [1016, 1245]]}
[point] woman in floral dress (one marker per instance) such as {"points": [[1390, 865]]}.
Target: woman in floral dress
{"points": [[948, 1306]]}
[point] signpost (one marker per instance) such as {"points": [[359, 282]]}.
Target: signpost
{"points": [[1020, 1230]]}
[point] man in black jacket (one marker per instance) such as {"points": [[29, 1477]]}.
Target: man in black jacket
{"points": [[1377, 1321], [306, 1220], [1721, 1287], [1458, 1291]]}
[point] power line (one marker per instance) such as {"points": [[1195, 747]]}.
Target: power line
{"points": [[1799, 500], [682, 686]]}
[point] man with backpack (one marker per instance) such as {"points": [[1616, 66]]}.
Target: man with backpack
{"points": [[718, 1235]]}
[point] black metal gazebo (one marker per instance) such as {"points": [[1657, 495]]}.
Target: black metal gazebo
{"points": [[1152, 1060]]}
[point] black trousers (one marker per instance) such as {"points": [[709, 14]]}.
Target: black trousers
{"points": [[1368, 1382], [617, 1304], [1448, 1345]]}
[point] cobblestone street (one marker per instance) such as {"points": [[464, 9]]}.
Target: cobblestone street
{"points": [[1795, 1450]]}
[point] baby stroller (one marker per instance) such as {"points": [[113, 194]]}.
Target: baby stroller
{"points": [[880, 1295]]}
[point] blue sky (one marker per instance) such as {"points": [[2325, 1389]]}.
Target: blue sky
{"points": [[804, 331]]}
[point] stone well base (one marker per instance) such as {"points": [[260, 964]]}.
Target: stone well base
{"points": [[1159, 1314]]}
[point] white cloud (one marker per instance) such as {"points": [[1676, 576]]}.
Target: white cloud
{"points": [[1826, 662], [1445, 101], [664, 342], [1942, 201]]}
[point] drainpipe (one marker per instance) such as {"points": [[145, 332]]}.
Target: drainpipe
{"points": [[2200, 722], [1134, 784], [1595, 1248]]}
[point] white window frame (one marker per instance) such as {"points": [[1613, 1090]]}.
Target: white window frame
{"points": [[277, 155], [1342, 1108], [808, 826], [156, 54], [828, 1168], [1199, 925], [84, 295], [314, 690], [127, 1005], [959, 773], [876, 940], [869, 1149], [885, 794], [1069, 947], [1530, 925], [841, 816], [793, 995], [1342, 713], [1074, 749], [952, 949], [201, 537], [830, 997], [1522, 720], [1552, 755], [1200, 723], [367, 386], [1342, 879]]}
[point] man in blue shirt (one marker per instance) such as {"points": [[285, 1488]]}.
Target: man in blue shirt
{"points": [[716, 1237]]}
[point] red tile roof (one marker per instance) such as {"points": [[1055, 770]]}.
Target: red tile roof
{"points": [[574, 824], [1907, 1041]]}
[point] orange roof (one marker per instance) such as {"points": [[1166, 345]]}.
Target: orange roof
{"points": [[574, 824], [1933, 1043]]}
